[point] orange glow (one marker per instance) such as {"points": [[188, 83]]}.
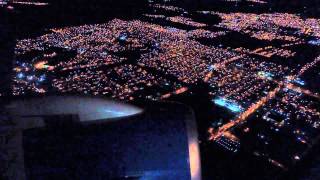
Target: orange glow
{"points": [[40, 65], [43, 65], [194, 159]]}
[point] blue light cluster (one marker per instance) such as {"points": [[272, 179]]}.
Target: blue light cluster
{"points": [[212, 67], [42, 78], [123, 37], [234, 107], [155, 46], [81, 50], [20, 75], [299, 81], [171, 29], [315, 42], [30, 77], [265, 75]]}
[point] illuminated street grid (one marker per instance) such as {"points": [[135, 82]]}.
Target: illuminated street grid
{"points": [[270, 26], [264, 88]]}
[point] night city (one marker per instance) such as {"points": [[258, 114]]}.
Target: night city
{"points": [[159, 89]]}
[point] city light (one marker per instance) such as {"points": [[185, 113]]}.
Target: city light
{"points": [[228, 104]]}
